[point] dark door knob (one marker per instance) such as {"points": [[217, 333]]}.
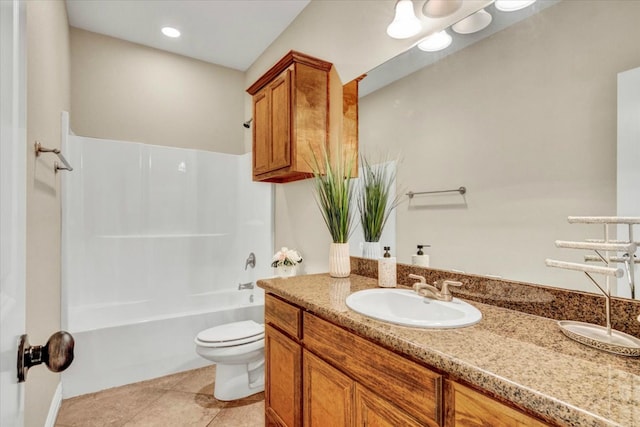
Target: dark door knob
{"points": [[57, 354]]}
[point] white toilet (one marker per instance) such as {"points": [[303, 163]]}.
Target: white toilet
{"points": [[238, 351]]}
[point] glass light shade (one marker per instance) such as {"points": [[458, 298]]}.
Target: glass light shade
{"points": [[404, 24], [435, 42], [440, 8], [512, 5], [473, 23], [170, 32]]}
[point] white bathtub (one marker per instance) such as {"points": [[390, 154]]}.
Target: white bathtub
{"points": [[145, 342]]}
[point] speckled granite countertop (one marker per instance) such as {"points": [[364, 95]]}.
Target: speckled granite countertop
{"points": [[521, 357]]}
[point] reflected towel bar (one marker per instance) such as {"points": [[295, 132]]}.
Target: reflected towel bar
{"points": [[460, 190], [56, 167]]}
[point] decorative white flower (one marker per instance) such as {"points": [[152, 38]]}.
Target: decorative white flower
{"points": [[286, 257]]}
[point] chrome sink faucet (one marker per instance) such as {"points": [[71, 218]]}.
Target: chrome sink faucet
{"points": [[431, 291]]}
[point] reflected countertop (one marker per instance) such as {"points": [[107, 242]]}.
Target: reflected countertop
{"points": [[521, 357]]}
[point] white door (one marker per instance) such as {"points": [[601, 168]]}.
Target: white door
{"points": [[12, 206]]}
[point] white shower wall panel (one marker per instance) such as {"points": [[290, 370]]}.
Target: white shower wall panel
{"points": [[148, 223]]}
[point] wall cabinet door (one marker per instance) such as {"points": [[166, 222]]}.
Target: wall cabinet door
{"points": [[283, 358], [327, 394], [272, 126]]}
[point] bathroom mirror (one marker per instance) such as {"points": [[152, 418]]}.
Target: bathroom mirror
{"points": [[526, 120]]}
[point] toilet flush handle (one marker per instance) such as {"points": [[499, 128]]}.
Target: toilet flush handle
{"points": [[57, 354]]}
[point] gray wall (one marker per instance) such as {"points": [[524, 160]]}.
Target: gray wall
{"points": [[126, 91]]}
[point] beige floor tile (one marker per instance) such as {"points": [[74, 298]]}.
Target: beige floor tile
{"points": [[249, 415], [198, 381], [111, 407], [168, 382], [178, 409]]}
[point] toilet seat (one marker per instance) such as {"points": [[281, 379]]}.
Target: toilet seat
{"points": [[231, 334]]}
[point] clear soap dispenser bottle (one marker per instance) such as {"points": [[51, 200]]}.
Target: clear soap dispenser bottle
{"points": [[387, 270]]}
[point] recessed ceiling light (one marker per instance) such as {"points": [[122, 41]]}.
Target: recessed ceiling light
{"points": [[512, 5], [473, 23], [170, 32], [435, 42]]}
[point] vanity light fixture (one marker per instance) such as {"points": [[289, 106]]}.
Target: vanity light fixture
{"points": [[405, 24], [170, 32], [440, 8], [436, 42], [473, 23], [512, 5]]}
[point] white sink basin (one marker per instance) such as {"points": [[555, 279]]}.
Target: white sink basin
{"points": [[405, 307]]}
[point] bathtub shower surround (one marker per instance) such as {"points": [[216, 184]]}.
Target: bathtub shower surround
{"points": [[155, 241]]}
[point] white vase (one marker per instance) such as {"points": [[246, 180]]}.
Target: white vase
{"points": [[371, 250], [286, 270], [339, 261]]}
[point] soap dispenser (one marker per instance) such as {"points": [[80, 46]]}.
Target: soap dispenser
{"points": [[387, 270], [420, 258]]}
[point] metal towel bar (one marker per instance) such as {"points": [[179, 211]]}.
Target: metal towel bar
{"points": [[56, 167], [460, 190]]}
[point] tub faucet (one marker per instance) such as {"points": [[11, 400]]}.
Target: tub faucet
{"points": [[430, 291], [251, 261], [248, 285]]}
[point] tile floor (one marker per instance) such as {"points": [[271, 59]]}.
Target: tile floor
{"points": [[182, 399]]}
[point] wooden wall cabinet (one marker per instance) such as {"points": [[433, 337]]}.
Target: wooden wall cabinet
{"points": [[300, 108]]}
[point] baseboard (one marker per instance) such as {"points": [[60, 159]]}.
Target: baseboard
{"points": [[56, 401]]}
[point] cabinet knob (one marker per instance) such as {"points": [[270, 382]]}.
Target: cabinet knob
{"points": [[57, 354]]}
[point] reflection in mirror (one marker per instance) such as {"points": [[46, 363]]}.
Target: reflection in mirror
{"points": [[526, 120]]}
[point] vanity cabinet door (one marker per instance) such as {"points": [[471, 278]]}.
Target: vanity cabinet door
{"points": [[327, 394], [466, 407], [373, 411], [283, 382]]}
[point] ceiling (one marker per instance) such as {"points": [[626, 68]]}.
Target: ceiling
{"points": [[231, 33]]}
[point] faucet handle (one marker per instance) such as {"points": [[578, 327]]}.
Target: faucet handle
{"points": [[447, 283], [422, 279]]}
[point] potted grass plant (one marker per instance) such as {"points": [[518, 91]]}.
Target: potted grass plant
{"points": [[375, 200], [334, 192]]}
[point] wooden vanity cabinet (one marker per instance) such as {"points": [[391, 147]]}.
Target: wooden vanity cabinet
{"points": [[300, 109], [319, 374], [283, 364]]}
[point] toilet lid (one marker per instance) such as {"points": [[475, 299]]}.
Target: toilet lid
{"points": [[246, 331]]}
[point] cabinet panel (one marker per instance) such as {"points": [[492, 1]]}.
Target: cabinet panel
{"points": [[327, 394], [283, 385], [283, 316], [261, 134], [280, 121], [373, 411], [414, 388], [469, 408]]}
